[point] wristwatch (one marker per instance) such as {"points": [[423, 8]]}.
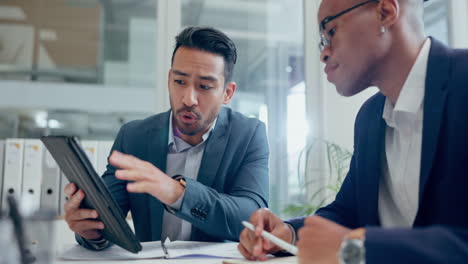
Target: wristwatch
{"points": [[352, 250], [180, 179], [183, 183]]}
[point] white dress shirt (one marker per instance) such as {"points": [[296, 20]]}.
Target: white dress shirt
{"points": [[182, 159], [399, 186]]}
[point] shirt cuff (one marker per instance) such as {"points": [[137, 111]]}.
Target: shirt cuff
{"points": [[177, 204]]}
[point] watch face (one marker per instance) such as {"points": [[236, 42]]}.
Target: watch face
{"points": [[352, 252]]}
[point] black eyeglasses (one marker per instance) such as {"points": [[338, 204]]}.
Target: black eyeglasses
{"points": [[324, 40]]}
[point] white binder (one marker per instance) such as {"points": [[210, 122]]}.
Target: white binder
{"points": [[32, 174], [63, 197], [104, 148], [13, 168], [2, 159], [50, 188]]}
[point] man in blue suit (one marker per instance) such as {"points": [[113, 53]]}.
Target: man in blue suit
{"points": [[405, 197], [194, 172]]}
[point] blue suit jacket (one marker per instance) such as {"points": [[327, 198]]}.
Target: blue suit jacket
{"points": [[232, 181], [440, 230]]}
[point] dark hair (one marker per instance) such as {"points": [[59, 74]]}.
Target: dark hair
{"points": [[210, 40]]}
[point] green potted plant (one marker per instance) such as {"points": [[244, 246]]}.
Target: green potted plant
{"points": [[322, 167]]}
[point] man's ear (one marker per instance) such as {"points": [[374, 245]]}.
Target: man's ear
{"points": [[388, 12], [229, 92]]}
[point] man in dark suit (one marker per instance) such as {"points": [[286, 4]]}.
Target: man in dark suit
{"points": [[405, 197], [194, 172]]}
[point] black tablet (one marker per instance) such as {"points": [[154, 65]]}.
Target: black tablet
{"points": [[76, 166]]}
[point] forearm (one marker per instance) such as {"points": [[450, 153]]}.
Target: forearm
{"points": [[339, 213], [436, 244], [215, 213]]}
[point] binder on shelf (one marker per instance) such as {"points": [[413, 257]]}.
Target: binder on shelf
{"points": [[32, 173], [2, 160], [104, 148], [50, 188], [13, 168], [63, 197]]}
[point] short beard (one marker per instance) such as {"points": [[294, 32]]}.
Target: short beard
{"points": [[202, 127], [189, 132]]}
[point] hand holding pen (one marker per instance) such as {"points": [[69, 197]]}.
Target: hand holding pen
{"points": [[255, 247]]}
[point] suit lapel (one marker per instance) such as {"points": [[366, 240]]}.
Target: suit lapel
{"points": [[438, 69], [212, 156], [369, 181], [157, 154], [214, 150]]}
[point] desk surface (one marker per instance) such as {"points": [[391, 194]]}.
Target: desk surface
{"points": [[288, 260], [64, 238], [142, 261]]}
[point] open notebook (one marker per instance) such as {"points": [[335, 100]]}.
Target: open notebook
{"points": [[152, 250], [272, 260]]}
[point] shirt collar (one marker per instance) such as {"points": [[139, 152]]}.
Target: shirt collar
{"points": [[171, 138], [412, 93]]}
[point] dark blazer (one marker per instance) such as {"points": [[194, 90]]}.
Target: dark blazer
{"points": [[232, 181], [440, 230]]}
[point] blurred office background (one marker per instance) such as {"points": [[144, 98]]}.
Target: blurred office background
{"points": [[85, 67]]}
